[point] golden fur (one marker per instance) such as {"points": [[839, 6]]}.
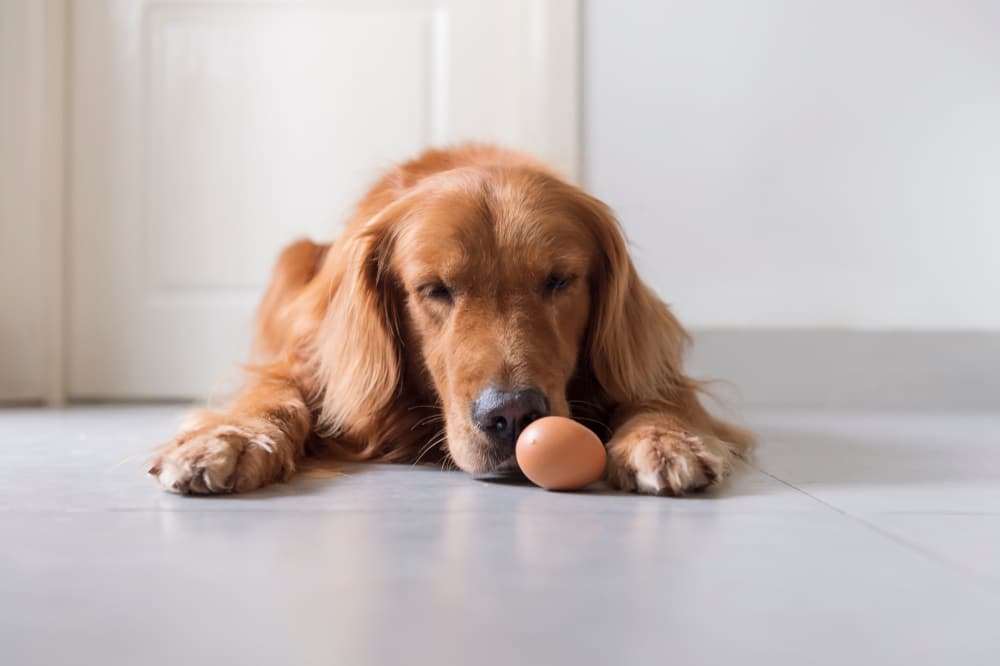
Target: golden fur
{"points": [[460, 269]]}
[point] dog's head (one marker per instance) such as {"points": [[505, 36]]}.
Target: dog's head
{"points": [[498, 285]]}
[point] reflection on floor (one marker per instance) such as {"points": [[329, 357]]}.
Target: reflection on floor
{"points": [[852, 538]]}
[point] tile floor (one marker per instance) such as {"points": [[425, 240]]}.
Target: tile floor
{"points": [[859, 538]]}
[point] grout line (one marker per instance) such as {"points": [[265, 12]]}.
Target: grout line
{"points": [[917, 548]]}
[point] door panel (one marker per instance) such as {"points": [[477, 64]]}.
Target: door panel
{"points": [[206, 135]]}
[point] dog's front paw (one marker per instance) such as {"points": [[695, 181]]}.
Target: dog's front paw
{"points": [[665, 461], [221, 458]]}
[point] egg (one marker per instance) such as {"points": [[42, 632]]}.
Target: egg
{"points": [[557, 453]]}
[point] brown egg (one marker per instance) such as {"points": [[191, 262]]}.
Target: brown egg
{"points": [[557, 453]]}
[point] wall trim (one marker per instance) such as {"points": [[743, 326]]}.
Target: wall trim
{"points": [[839, 369]]}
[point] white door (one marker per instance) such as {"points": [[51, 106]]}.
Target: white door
{"points": [[205, 135]]}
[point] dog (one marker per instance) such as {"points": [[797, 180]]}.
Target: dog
{"points": [[472, 291]]}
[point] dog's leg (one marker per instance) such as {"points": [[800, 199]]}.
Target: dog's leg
{"points": [[662, 452], [257, 441]]}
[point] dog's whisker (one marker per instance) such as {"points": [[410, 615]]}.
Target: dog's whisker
{"points": [[435, 418], [423, 451], [427, 448], [420, 457], [425, 422], [577, 417], [448, 463]]}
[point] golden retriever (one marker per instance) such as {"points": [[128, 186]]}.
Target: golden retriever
{"points": [[472, 292]]}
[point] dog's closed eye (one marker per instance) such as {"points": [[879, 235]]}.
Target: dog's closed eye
{"points": [[437, 291], [556, 282]]}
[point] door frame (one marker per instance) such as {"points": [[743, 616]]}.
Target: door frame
{"points": [[38, 208]]}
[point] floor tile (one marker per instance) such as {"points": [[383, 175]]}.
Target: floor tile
{"points": [[866, 538], [886, 462], [441, 587], [969, 541]]}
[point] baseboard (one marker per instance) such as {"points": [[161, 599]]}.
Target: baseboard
{"points": [[850, 369]]}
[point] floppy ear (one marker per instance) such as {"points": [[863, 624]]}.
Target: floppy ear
{"points": [[357, 347], [635, 345]]}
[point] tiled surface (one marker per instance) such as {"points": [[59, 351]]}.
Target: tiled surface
{"points": [[853, 538]]}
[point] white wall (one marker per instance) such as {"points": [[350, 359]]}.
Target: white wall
{"points": [[803, 163]]}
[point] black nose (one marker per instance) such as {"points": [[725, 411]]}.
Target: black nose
{"points": [[502, 415]]}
